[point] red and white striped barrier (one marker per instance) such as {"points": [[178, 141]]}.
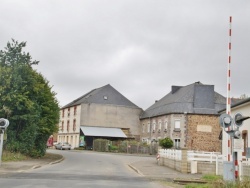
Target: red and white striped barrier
{"points": [[228, 107], [158, 157]]}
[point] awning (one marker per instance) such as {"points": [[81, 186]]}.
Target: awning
{"points": [[103, 132]]}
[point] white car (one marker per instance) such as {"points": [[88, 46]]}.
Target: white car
{"points": [[63, 145]]}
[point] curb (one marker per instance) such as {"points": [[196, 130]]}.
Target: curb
{"points": [[51, 163], [136, 170], [36, 166], [58, 161]]}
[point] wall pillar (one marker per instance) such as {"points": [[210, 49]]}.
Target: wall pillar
{"points": [[184, 161]]}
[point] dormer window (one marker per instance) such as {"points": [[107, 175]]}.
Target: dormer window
{"points": [[105, 97]]}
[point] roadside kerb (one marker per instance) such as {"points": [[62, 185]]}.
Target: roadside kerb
{"points": [[135, 169]]}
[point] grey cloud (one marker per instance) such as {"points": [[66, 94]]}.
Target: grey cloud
{"points": [[139, 47]]}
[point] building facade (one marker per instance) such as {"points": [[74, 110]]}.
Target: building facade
{"points": [[69, 125], [105, 110], [188, 115]]}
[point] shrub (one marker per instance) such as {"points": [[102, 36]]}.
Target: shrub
{"points": [[166, 143]]}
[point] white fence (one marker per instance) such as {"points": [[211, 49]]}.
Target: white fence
{"points": [[192, 155], [195, 156], [205, 156], [245, 161], [201, 161], [170, 153]]}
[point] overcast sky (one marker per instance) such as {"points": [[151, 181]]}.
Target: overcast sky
{"points": [[140, 47]]}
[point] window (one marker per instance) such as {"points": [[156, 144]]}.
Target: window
{"points": [[177, 143], [143, 128], [177, 125], [68, 125], [75, 108], [62, 125], [245, 141], [148, 127], [68, 112], [63, 113], [74, 125], [166, 125], [154, 126], [159, 125], [105, 97]]}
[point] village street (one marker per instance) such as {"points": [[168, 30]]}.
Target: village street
{"points": [[83, 169]]}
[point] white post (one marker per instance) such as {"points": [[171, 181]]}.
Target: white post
{"points": [[216, 165], [1, 145]]}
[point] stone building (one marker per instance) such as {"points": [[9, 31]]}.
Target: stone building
{"points": [[188, 115], [100, 113]]}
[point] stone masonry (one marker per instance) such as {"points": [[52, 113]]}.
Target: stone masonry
{"points": [[203, 133]]}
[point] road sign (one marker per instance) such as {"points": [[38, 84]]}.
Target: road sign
{"points": [[238, 145]]}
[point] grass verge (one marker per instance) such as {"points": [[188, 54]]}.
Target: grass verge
{"points": [[13, 156], [218, 182]]}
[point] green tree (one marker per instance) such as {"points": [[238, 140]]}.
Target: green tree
{"points": [[26, 99], [166, 143]]}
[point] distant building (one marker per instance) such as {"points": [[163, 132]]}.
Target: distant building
{"points": [[100, 113], [188, 115]]}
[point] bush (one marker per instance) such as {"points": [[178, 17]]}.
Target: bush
{"points": [[166, 143], [113, 148]]}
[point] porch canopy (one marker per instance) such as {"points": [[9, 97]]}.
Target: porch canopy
{"points": [[103, 132]]}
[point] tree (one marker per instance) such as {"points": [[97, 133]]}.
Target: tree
{"points": [[26, 99], [243, 96], [166, 143]]}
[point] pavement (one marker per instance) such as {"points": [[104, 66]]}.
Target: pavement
{"points": [[147, 168], [21, 166], [153, 171]]}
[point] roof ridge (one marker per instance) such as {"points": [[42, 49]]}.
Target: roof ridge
{"points": [[103, 95]]}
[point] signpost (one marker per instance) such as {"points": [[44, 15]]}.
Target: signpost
{"points": [[231, 127], [4, 123]]}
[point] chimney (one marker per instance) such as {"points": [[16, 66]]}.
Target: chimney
{"points": [[175, 88]]}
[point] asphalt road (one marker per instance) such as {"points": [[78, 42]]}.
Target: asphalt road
{"points": [[82, 169]]}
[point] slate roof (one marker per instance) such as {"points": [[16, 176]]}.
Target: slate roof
{"points": [[103, 95], [235, 104], [195, 98]]}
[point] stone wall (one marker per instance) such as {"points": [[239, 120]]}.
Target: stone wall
{"points": [[202, 167], [197, 132], [203, 133], [171, 163], [245, 170]]}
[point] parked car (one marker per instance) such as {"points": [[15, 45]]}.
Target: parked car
{"points": [[63, 145]]}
